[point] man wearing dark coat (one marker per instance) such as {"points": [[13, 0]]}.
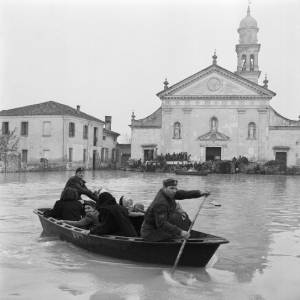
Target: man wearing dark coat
{"points": [[76, 182], [160, 221]]}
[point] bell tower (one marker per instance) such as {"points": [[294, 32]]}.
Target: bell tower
{"points": [[247, 50]]}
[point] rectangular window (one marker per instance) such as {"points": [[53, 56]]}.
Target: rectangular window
{"points": [[71, 129], [85, 132], [24, 156], [46, 128], [70, 154], [104, 137], [5, 128], [84, 155], [106, 154], [24, 128], [95, 136], [113, 155], [102, 154]]}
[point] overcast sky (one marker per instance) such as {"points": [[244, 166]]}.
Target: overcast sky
{"points": [[111, 57]]}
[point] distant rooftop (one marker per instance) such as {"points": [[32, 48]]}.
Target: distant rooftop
{"points": [[110, 132], [48, 108], [153, 120]]}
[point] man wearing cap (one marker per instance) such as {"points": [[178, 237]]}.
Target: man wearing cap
{"points": [[76, 182], [157, 225]]}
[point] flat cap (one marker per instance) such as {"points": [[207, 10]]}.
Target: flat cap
{"points": [[170, 182], [80, 169]]}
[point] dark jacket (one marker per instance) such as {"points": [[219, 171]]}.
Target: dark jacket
{"points": [[66, 210], [79, 184], [113, 218], [158, 223]]}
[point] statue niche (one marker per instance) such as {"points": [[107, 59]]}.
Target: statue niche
{"points": [[177, 130]]}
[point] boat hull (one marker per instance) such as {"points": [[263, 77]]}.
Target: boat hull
{"points": [[197, 251]]}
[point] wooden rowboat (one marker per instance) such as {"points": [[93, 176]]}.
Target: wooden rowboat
{"points": [[191, 172], [197, 252]]}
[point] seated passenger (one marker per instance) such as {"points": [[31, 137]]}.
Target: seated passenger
{"points": [[67, 208], [134, 210], [91, 218], [113, 218]]}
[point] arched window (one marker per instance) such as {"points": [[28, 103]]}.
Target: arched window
{"points": [[251, 62], [251, 131], [177, 130], [244, 62], [213, 124]]}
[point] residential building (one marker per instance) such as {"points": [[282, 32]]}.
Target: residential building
{"points": [[56, 136]]}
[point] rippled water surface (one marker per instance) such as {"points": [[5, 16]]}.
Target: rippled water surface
{"points": [[259, 215]]}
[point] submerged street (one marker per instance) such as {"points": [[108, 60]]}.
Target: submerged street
{"points": [[259, 215]]}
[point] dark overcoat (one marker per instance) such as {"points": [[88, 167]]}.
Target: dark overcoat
{"points": [[158, 223]]}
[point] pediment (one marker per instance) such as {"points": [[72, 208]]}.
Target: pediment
{"points": [[215, 81], [213, 135]]}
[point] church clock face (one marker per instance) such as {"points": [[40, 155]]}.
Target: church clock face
{"points": [[214, 84]]}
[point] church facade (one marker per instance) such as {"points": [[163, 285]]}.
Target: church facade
{"points": [[219, 114]]}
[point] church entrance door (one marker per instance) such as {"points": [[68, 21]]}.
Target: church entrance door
{"points": [[148, 154], [281, 157], [213, 153]]}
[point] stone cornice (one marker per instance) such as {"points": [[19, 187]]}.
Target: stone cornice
{"points": [[218, 97], [284, 127], [144, 127], [262, 110]]}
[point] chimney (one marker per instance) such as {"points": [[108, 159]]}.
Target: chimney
{"points": [[78, 108], [108, 122]]}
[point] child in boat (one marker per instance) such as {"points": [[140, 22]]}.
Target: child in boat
{"points": [[134, 210], [91, 218]]}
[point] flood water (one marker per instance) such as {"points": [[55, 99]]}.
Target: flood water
{"points": [[259, 215]]}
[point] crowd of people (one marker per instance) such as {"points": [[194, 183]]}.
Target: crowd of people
{"points": [[181, 156], [164, 219]]}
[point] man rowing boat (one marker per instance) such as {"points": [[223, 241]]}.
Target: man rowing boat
{"points": [[159, 222]]}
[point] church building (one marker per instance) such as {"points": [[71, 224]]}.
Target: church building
{"points": [[219, 114]]}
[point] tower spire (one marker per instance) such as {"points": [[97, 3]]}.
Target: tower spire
{"points": [[248, 48]]}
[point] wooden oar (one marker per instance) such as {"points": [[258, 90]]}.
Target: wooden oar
{"points": [[185, 240]]}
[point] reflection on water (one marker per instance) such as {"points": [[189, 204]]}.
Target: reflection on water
{"points": [[259, 215]]}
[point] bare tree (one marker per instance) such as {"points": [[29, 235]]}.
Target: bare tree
{"points": [[8, 145]]}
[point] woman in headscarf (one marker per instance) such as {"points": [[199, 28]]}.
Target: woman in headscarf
{"points": [[113, 218], [68, 207]]}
